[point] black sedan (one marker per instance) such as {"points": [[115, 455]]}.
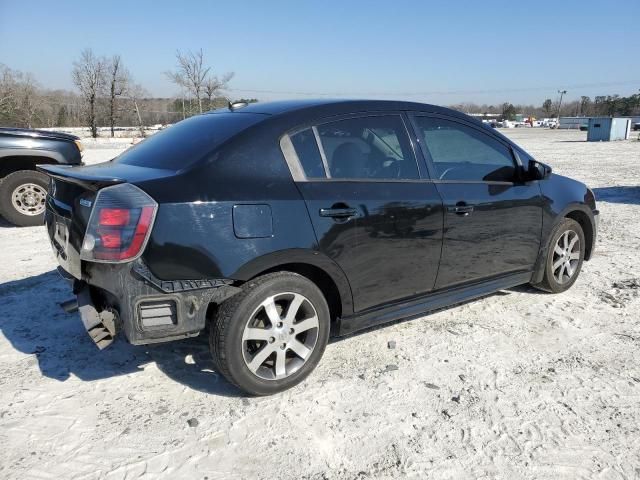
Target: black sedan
{"points": [[280, 224]]}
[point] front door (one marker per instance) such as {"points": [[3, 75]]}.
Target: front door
{"points": [[493, 221], [372, 212]]}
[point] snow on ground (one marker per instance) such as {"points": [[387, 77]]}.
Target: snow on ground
{"points": [[520, 384]]}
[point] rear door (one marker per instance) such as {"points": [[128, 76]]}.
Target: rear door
{"points": [[373, 211], [493, 220]]}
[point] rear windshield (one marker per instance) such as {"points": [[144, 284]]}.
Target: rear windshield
{"points": [[188, 141]]}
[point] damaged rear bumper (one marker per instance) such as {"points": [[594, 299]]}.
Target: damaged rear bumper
{"points": [[112, 298], [101, 326]]}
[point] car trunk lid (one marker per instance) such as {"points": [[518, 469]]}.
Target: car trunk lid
{"points": [[71, 197]]}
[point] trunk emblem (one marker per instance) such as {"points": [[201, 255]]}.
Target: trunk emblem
{"points": [[85, 203]]}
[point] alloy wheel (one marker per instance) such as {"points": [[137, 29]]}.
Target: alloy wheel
{"points": [[29, 199], [566, 256], [280, 336]]}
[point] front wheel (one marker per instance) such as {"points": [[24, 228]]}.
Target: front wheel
{"points": [[22, 197], [565, 255], [272, 335]]}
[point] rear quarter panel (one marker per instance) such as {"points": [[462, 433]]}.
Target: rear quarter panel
{"points": [[197, 240], [194, 236]]}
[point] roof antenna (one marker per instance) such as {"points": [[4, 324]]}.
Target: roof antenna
{"points": [[235, 105]]}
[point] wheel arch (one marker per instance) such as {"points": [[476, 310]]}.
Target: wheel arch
{"points": [[24, 161], [585, 222], [582, 214], [315, 266]]}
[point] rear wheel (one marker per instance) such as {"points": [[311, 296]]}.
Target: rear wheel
{"points": [[22, 197], [270, 336], [565, 255]]}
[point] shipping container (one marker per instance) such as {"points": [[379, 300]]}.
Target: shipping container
{"points": [[604, 129]]}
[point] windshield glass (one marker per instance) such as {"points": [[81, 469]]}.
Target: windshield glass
{"points": [[188, 141]]}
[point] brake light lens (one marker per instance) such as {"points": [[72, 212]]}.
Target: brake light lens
{"points": [[119, 225], [114, 217]]}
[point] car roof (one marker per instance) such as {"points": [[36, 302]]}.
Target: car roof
{"points": [[289, 113], [341, 105]]}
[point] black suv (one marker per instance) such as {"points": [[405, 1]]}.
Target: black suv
{"points": [[23, 190], [282, 223]]}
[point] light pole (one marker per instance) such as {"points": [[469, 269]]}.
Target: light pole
{"points": [[561, 92]]}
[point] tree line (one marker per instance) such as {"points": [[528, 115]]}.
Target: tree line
{"points": [[107, 95], [601, 105]]}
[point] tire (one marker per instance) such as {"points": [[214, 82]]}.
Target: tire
{"points": [[22, 197], [557, 280], [259, 350]]}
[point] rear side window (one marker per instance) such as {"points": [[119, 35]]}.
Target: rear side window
{"points": [[459, 152], [308, 152], [188, 141], [375, 147]]}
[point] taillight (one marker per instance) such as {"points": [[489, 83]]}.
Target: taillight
{"points": [[117, 217], [119, 225]]}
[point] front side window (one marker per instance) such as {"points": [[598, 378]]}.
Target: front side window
{"points": [[374, 147], [459, 152]]}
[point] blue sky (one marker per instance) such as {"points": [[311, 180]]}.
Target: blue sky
{"points": [[440, 52]]}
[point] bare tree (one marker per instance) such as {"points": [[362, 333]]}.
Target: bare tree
{"points": [[585, 105], [19, 98], [191, 73], [89, 76], [119, 79], [8, 86], [214, 85], [137, 92], [28, 100], [194, 76]]}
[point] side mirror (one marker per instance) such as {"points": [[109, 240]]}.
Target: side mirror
{"points": [[538, 170]]}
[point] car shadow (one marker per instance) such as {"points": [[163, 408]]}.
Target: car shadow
{"points": [[625, 194], [32, 320], [528, 289], [5, 224]]}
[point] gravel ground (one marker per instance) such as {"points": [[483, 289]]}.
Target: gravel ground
{"points": [[520, 384]]}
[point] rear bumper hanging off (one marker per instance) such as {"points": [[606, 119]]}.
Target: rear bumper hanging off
{"points": [[101, 326], [114, 298]]}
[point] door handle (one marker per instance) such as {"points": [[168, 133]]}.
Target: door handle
{"points": [[338, 212], [461, 210]]}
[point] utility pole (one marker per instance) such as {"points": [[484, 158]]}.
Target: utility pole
{"points": [[561, 92]]}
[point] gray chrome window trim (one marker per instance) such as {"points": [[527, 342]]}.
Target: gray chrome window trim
{"points": [[291, 157], [297, 172], [323, 155], [295, 166]]}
